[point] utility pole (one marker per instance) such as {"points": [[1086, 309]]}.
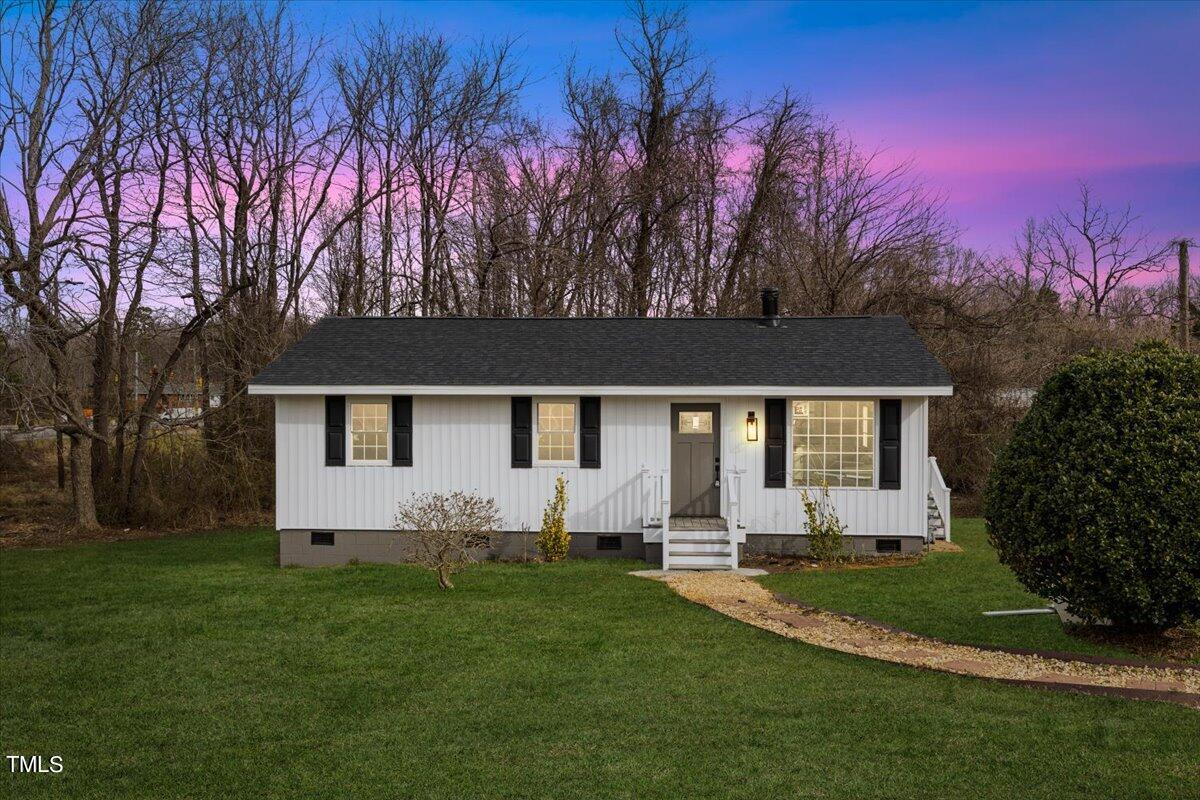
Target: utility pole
{"points": [[1184, 322]]}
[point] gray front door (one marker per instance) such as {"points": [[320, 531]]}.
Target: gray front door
{"points": [[695, 459]]}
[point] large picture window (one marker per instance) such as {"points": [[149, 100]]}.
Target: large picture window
{"points": [[369, 432], [833, 442], [556, 429]]}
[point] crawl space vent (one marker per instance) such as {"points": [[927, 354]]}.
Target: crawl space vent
{"points": [[608, 542], [887, 545], [322, 538]]}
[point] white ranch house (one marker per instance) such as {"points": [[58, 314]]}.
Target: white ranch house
{"points": [[686, 442]]}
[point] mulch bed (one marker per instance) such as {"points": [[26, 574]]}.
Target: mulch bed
{"points": [[805, 564], [1177, 644], [775, 564]]}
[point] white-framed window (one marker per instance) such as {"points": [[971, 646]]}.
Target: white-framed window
{"points": [[556, 434], [369, 434], [833, 442]]}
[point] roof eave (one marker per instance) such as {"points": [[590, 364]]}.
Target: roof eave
{"points": [[942, 390]]}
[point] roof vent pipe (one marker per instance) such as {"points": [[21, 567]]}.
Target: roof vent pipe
{"points": [[770, 306]]}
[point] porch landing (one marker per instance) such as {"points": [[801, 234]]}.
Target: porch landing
{"points": [[660, 575], [699, 524]]}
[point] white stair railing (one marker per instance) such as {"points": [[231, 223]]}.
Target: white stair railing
{"points": [[940, 493], [733, 522], [647, 488], [664, 504], [651, 497]]}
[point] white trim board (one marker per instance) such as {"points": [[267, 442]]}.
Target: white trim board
{"points": [[614, 391]]}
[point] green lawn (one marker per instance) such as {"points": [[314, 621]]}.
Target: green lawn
{"points": [[195, 667], [944, 595]]}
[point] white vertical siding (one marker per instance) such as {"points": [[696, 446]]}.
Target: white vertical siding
{"points": [[863, 511], [462, 442]]}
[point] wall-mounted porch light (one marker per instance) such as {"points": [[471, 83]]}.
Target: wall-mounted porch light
{"points": [[751, 428]]}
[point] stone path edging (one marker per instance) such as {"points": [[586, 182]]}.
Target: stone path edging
{"points": [[745, 600]]}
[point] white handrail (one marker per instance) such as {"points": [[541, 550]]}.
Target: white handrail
{"points": [[734, 481], [647, 498], [651, 497], [664, 490], [940, 493]]}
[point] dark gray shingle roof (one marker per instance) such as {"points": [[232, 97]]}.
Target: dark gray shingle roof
{"points": [[472, 351]]}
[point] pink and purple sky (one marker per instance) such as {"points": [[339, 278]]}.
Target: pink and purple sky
{"points": [[1003, 106]]}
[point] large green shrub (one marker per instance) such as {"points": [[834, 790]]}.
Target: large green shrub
{"points": [[1095, 500]]}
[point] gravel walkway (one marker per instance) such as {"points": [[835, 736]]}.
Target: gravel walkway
{"points": [[743, 599]]}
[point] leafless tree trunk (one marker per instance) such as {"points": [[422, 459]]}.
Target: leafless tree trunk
{"points": [[1184, 301], [1098, 250], [782, 143], [865, 232], [58, 160], [670, 87]]}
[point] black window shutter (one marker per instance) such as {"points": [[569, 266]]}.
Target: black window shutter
{"points": [[589, 432], [776, 414], [335, 431], [522, 432], [402, 439], [889, 444]]}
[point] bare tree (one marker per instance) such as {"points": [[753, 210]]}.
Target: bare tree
{"points": [[1097, 250], [447, 530], [592, 149], [58, 158], [454, 107], [1183, 302], [865, 230], [1036, 275], [670, 87], [359, 81], [781, 146]]}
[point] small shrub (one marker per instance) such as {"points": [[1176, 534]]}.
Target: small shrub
{"points": [[1095, 501], [553, 540], [826, 542], [448, 530], [525, 535]]}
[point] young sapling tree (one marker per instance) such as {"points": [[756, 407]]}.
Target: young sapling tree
{"points": [[448, 530]]}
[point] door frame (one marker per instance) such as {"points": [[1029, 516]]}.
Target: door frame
{"points": [[718, 445]]}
